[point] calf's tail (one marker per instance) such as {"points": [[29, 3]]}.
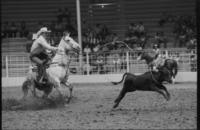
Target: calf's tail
{"points": [[115, 83]]}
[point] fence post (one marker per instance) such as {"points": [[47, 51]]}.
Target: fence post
{"points": [[7, 66], [127, 61], [166, 54], [87, 62], [190, 62]]}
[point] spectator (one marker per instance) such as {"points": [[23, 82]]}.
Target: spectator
{"points": [[116, 62], [52, 26], [163, 19], [13, 30], [58, 29], [142, 42], [87, 49], [59, 15], [67, 15], [96, 47], [140, 29], [23, 30], [113, 38], [100, 63], [156, 50], [182, 36], [5, 30], [39, 25], [192, 43], [85, 28], [160, 39], [131, 37], [97, 31], [104, 32]]}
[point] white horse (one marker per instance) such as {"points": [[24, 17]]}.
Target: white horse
{"points": [[57, 73]]}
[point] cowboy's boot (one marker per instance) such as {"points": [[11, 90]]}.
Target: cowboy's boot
{"points": [[39, 74]]}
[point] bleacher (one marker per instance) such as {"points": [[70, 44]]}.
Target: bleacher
{"points": [[116, 16], [14, 45]]}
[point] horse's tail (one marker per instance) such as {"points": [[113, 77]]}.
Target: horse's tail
{"points": [[115, 83], [25, 87]]}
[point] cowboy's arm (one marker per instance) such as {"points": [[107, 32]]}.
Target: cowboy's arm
{"points": [[47, 46]]}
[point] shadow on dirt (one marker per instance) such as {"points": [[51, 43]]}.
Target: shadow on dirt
{"points": [[33, 103]]}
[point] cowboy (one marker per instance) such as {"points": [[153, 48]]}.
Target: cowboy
{"points": [[158, 61], [38, 53]]}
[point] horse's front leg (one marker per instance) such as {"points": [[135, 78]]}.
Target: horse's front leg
{"points": [[70, 86], [32, 88], [57, 86]]}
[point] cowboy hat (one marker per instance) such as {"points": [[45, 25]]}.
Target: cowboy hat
{"points": [[42, 30]]}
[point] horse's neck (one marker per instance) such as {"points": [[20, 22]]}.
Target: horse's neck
{"points": [[60, 55]]}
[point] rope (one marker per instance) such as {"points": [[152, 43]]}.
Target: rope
{"points": [[117, 42], [154, 78]]}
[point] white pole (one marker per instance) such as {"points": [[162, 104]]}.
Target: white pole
{"points": [[7, 66], [79, 30], [127, 61], [88, 64]]}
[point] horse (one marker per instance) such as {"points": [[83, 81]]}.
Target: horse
{"points": [[56, 72], [170, 64], [149, 81]]}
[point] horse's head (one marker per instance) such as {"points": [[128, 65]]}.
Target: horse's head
{"points": [[71, 44]]}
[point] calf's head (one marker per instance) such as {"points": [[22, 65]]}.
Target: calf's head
{"points": [[165, 75]]}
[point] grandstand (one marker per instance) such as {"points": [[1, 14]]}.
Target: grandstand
{"points": [[116, 16]]}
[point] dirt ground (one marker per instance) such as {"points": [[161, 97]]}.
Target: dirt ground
{"points": [[91, 108]]}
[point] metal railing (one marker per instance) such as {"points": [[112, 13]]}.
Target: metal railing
{"points": [[100, 63]]}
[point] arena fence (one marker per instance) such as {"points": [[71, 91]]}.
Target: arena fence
{"points": [[115, 62]]}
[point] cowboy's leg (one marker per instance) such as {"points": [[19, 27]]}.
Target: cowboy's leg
{"points": [[39, 63]]}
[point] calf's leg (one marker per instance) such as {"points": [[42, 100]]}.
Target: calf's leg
{"points": [[119, 98], [155, 88], [126, 88], [165, 89]]}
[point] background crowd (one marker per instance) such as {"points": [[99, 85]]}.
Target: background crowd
{"points": [[94, 37]]}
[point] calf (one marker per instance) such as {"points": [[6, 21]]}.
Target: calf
{"points": [[149, 81]]}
